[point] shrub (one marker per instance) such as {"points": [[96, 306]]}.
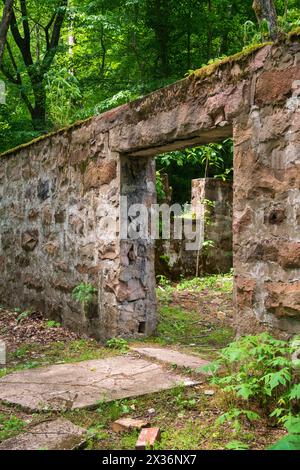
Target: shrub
{"points": [[84, 293], [260, 370], [292, 440], [118, 344]]}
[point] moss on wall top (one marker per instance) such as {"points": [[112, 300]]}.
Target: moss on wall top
{"points": [[202, 73]]}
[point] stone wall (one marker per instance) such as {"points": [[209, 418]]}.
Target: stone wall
{"points": [[57, 193], [218, 227], [59, 200], [171, 257], [267, 200]]}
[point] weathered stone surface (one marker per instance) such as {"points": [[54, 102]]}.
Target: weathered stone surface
{"points": [[289, 255], [245, 291], [76, 176], [283, 299], [275, 85], [128, 424], [2, 353], [84, 384], [99, 174], [60, 434], [171, 257], [170, 356], [30, 240], [147, 438]]}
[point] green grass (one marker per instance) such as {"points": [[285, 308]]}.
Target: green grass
{"points": [[185, 415], [222, 283], [182, 327], [10, 426], [35, 355], [217, 282]]}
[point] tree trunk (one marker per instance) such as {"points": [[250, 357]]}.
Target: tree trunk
{"points": [[4, 25], [265, 10], [38, 111], [158, 14], [209, 31]]}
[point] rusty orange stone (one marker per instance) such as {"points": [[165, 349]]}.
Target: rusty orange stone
{"points": [[147, 438]]}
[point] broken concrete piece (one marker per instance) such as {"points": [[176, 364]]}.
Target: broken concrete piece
{"points": [[147, 438], [172, 357], [84, 384], [51, 435], [127, 424]]}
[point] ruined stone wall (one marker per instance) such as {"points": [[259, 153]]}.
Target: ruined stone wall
{"points": [[58, 200], [56, 194], [267, 199], [218, 227], [171, 257]]}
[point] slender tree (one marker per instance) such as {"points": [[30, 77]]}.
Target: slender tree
{"points": [[265, 10], [36, 66], [4, 25]]}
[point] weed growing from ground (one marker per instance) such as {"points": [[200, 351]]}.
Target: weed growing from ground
{"points": [[259, 371], [10, 426], [85, 294], [118, 343]]}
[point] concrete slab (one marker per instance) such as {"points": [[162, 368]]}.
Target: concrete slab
{"points": [[85, 384], [60, 434], [170, 356]]}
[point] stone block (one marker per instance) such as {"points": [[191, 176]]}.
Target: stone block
{"points": [[283, 299], [147, 439], [30, 240], [128, 424]]}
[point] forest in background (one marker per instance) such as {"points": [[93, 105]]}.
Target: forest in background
{"points": [[67, 60]]}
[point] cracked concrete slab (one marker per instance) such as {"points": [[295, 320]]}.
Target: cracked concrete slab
{"points": [[85, 384], [170, 356], [60, 434]]}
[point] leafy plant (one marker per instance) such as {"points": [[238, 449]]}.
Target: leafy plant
{"points": [[63, 92], [292, 440], [10, 426], [236, 445], [233, 416], [160, 190], [85, 294], [21, 352], [182, 401], [117, 343], [254, 34], [260, 370], [24, 315], [163, 280], [52, 324]]}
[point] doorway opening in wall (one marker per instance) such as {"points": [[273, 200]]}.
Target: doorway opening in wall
{"points": [[200, 180], [195, 286], [156, 258]]}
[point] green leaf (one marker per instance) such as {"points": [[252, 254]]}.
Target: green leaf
{"points": [[245, 391], [295, 392], [236, 445], [291, 442], [292, 424]]}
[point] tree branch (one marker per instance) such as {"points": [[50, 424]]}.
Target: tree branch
{"points": [[4, 25], [53, 42], [25, 24]]}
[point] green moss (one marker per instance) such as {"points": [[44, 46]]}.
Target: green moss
{"points": [[46, 136], [210, 69], [294, 35], [35, 355], [83, 166]]}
